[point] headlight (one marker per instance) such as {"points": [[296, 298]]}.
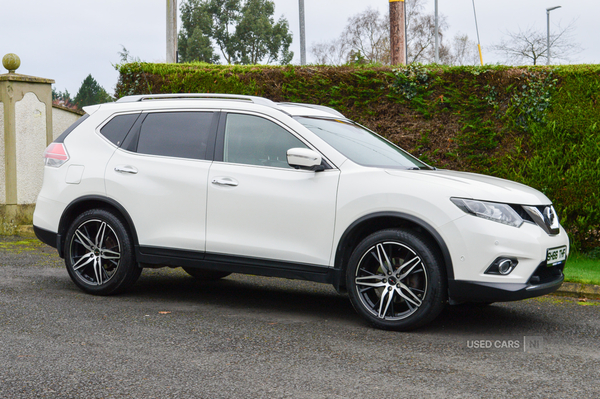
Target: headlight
{"points": [[500, 213]]}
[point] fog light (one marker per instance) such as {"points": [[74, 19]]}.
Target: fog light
{"points": [[505, 267], [502, 266]]}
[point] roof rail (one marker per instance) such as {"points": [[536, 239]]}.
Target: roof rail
{"points": [[196, 96], [318, 107]]}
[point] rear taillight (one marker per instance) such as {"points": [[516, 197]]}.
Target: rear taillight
{"points": [[55, 155]]}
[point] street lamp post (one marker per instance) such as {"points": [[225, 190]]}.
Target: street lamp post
{"points": [[302, 33], [437, 34], [548, 32]]}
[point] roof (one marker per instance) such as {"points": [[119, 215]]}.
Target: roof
{"points": [[296, 109]]}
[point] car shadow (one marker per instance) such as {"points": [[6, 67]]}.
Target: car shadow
{"points": [[285, 299], [307, 301], [504, 319]]}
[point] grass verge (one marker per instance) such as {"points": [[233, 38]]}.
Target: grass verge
{"points": [[582, 269], [20, 245]]}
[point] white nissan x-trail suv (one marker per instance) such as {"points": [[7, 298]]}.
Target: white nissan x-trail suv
{"points": [[221, 184]]}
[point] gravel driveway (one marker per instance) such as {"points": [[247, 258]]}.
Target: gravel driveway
{"points": [[254, 337]]}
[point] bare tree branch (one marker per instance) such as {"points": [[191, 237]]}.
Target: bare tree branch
{"points": [[368, 34], [330, 53], [464, 51], [530, 45]]}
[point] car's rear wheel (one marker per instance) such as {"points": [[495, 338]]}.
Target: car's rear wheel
{"points": [[99, 255], [204, 274], [395, 280]]}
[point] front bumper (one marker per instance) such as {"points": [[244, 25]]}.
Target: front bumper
{"points": [[475, 243], [544, 280]]}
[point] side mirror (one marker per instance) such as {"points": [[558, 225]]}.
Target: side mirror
{"points": [[303, 158]]}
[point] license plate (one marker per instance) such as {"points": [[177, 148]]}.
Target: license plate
{"points": [[556, 255]]}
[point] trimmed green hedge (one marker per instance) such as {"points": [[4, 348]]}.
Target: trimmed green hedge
{"points": [[535, 125]]}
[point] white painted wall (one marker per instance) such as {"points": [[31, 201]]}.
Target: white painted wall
{"points": [[2, 158], [61, 120], [30, 127], [30, 123]]}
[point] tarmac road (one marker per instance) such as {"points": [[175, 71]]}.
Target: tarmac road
{"points": [[253, 337]]}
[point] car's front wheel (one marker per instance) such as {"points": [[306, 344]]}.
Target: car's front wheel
{"points": [[99, 253], [395, 280]]}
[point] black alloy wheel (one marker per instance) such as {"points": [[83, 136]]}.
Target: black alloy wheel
{"points": [[99, 255], [395, 280]]}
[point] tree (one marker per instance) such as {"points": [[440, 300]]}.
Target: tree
{"points": [[225, 15], [366, 38], [126, 57], [531, 45], [368, 35], [90, 93], [243, 30], [259, 37], [194, 42], [334, 52], [420, 29], [62, 98], [464, 51]]}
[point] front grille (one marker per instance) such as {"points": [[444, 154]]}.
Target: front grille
{"points": [[544, 216]]}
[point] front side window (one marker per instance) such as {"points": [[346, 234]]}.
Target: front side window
{"points": [[176, 134], [360, 145], [253, 140]]}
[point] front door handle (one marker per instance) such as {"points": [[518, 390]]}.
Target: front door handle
{"points": [[224, 181], [126, 169]]}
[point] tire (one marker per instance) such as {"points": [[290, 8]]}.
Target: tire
{"points": [[407, 295], [99, 253], [204, 274]]}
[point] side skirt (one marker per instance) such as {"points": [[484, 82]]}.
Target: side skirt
{"points": [[157, 257]]}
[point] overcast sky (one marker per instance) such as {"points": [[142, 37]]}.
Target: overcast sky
{"points": [[66, 40]]}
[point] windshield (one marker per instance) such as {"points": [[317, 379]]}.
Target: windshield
{"points": [[361, 145]]}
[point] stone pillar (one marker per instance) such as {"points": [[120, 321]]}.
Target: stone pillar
{"points": [[25, 131]]}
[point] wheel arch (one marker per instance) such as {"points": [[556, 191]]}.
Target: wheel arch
{"points": [[83, 204], [374, 222]]}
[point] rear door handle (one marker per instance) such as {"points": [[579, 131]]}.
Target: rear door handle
{"points": [[224, 181], [126, 169]]}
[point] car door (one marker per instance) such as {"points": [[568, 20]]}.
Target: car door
{"points": [[261, 208], [159, 175]]}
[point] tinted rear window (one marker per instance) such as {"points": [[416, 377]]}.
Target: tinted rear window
{"points": [[118, 127], [176, 134]]}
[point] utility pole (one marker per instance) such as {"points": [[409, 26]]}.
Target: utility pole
{"points": [[302, 34], [171, 31], [398, 32]]}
